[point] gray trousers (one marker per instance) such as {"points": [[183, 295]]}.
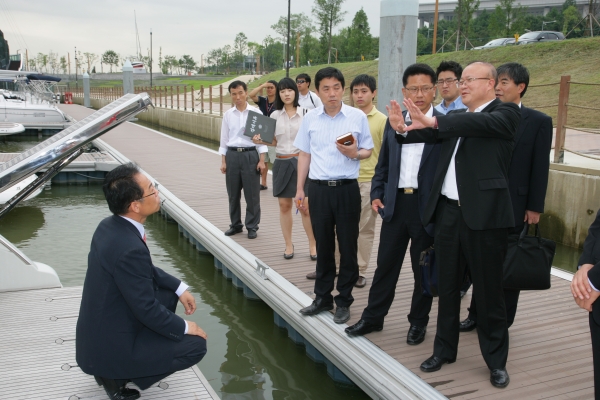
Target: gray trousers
{"points": [[241, 174]]}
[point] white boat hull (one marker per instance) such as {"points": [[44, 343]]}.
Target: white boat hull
{"points": [[12, 191]]}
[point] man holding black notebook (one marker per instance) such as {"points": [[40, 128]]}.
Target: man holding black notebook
{"points": [[241, 162], [332, 140]]}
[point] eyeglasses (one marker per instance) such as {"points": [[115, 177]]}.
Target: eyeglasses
{"points": [[148, 195], [447, 81], [424, 89], [470, 80], [300, 81]]}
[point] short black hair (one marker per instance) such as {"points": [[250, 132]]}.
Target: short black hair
{"points": [[274, 82], [329, 72], [418, 69], [452, 66], [121, 188], [237, 84], [364, 79], [516, 72], [286, 83], [306, 77]]}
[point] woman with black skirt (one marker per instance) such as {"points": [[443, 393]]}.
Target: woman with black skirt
{"points": [[289, 116]]}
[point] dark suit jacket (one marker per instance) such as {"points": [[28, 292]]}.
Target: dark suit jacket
{"points": [[123, 331], [481, 162], [384, 185], [530, 163], [591, 255]]}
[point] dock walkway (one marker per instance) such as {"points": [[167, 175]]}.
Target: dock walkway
{"points": [[550, 351], [37, 343]]}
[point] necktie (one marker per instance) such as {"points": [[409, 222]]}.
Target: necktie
{"points": [[144, 236]]}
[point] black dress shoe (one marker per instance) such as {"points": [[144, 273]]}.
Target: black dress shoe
{"points": [[416, 335], [263, 187], [342, 314], [232, 231], [467, 325], [362, 327], [116, 390], [361, 282], [313, 257], [288, 256], [434, 363], [316, 307], [252, 234], [499, 378]]}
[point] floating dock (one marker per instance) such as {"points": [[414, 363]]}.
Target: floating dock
{"points": [[550, 351], [37, 342]]}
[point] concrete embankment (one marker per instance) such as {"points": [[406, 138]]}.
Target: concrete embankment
{"points": [[572, 199]]}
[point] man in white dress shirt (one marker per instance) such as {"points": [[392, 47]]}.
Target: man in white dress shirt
{"points": [[242, 163], [470, 202], [333, 189], [399, 191], [307, 99]]}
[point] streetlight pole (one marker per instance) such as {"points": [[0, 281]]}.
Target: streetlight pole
{"points": [[287, 49], [150, 57]]}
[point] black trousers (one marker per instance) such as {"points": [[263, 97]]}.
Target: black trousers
{"points": [[511, 296], [335, 210], [484, 251], [188, 352], [595, 332], [404, 226], [241, 174]]}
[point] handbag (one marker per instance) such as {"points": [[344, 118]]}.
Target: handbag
{"points": [[528, 261], [429, 275]]}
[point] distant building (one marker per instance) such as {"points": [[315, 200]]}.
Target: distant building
{"points": [[535, 7]]}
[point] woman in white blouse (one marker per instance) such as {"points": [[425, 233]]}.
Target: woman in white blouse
{"points": [[289, 117]]}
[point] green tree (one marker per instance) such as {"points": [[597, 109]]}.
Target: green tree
{"points": [[63, 64], [570, 18], [90, 59], [507, 19], [299, 24], [169, 63], [359, 37], [465, 11], [187, 63], [240, 46], [110, 58], [329, 14], [42, 61]]}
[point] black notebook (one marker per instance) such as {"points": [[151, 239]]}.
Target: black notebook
{"points": [[258, 124]]}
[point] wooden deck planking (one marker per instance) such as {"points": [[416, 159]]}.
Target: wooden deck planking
{"points": [[32, 360], [550, 332]]}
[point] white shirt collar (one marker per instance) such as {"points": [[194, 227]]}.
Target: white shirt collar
{"points": [[429, 113], [138, 226], [481, 107]]}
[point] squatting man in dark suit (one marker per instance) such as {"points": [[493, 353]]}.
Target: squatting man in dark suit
{"points": [[333, 189], [471, 206], [527, 173], [127, 329], [585, 288], [399, 191]]}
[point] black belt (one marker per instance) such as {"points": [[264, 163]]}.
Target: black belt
{"points": [[338, 182], [452, 201], [240, 149], [408, 190]]}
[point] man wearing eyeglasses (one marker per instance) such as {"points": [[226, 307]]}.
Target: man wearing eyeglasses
{"points": [[307, 99], [399, 191], [470, 203], [448, 73], [127, 328]]}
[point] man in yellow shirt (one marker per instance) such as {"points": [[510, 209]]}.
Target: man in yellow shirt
{"points": [[364, 90]]}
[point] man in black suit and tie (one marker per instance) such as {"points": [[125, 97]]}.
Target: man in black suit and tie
{"points": [[399, 191], [585, 288], [528, 171], [470, 203], [127, 328]]}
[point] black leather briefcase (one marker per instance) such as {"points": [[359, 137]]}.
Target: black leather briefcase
{"points": [[528, 261], [429, 274]]}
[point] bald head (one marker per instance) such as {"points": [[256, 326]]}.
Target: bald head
{"points": [[479, 82]]}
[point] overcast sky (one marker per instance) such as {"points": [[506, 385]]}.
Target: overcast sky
{"points": [[178, 26]]}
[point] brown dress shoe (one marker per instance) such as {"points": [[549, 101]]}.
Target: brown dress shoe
{"points": [[361, 282], [311, 275]]}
